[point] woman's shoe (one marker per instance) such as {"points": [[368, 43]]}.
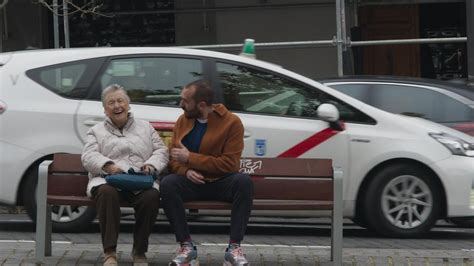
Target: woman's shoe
{"points": [[110, 259], [139, 260]]}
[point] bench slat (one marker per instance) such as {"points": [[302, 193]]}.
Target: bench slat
{"points": [[212, 205], [67, 163], [264, 205], [265, 188], [67, 184], [281, 167], [292, 189], [70, 200]]}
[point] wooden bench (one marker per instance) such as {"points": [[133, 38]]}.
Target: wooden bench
{"points": [[280, 184]]}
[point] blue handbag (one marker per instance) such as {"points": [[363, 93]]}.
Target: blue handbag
{"points": [[131, 181]]}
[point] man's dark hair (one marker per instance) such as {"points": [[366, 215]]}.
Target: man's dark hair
{"points": [[203, 91]]}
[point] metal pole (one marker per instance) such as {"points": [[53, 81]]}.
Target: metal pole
{"points": [[66, 24], [55, 24], [338, 38], [5, 24], [326, 43], [470, 40], [1, 30], [343, 25], [272, 45], [408, 41]]}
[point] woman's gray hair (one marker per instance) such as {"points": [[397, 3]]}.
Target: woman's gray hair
{"points": [[113, 88]]}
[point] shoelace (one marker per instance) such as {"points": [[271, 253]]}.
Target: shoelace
{"points": [[185, 249], [237, 252]]}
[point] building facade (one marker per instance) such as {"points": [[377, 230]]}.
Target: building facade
{"points": [[27, 24]]}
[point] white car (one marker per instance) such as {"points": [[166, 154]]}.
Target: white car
{"points": [[401, 174]]}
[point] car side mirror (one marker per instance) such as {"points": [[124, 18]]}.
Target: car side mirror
{"points": [[329, 113]]}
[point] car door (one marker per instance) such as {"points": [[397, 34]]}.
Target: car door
{"points": [[279, 116], [153, 83]]}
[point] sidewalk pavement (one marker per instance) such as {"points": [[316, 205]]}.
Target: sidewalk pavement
{"points": [[23, 253]]}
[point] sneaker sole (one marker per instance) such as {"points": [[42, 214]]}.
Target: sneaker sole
{"points": [[226, 263], [191, 263]]}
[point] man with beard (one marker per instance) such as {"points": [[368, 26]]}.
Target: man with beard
{"points": [[205, 158]]}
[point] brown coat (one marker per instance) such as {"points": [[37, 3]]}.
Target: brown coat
{"points": [[221, 146]]}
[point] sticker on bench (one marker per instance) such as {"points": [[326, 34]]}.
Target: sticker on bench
{"points": [[248, 166]]}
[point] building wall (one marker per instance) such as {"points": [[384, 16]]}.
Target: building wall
{"points": [[25, 26], [230, 26]]}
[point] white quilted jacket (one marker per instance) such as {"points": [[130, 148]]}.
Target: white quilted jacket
{"points": [[137, 144]]}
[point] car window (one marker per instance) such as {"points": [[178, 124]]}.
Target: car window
{"points": [[249, 90], [358, 91], [407, 100], [455, 111], [72, 79], [155, 80]]}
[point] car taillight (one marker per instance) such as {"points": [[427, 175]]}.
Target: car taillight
{"points": [[3, 107]]}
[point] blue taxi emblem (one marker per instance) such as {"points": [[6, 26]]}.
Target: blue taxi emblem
{"points": [[260, 147]]}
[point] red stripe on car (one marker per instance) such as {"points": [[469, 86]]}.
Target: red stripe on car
{"points": [[309, 143], [293, 152], [163, 126]]}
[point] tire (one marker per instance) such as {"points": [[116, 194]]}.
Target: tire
{"points": [[64, 218], [360, 221], [402, 201]]}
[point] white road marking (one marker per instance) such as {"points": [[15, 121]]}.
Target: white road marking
{"points": [[32, 241], [264, 245]]}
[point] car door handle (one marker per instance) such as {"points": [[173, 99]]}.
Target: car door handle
{"points": [[247, 134], [92, 122]]}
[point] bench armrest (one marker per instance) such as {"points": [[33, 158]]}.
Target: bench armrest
{"points": [[43, 214], [42, 188], [337, 220]]}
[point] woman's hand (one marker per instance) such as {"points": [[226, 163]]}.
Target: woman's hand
{"points": [[148, 169], [111, 169]]}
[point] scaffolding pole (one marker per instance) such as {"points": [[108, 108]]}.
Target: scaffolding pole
{"points": [[66, 24], [1, 29], [55, 24], [339, 39], [408, 41], [327, 43], [470, 41]]}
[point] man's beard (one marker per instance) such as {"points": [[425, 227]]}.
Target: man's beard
{"points": [[194, 113]]}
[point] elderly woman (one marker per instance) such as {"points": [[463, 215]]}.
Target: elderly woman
{"points": [[119, 143]]}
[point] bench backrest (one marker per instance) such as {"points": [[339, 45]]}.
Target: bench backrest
{"points": [[274, 178]]}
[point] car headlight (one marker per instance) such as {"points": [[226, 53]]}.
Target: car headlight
{"points": [[456, 145]]}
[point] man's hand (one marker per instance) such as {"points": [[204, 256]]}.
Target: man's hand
{"points": [[180, 154], [111, 169], [195, 176], [148, 169]]}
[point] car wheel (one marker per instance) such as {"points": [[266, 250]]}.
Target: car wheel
{"points": [[64, 218], [402, 201]]}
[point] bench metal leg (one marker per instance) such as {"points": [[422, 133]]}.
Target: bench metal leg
{"points": [[337, 219], [43, 215]]}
